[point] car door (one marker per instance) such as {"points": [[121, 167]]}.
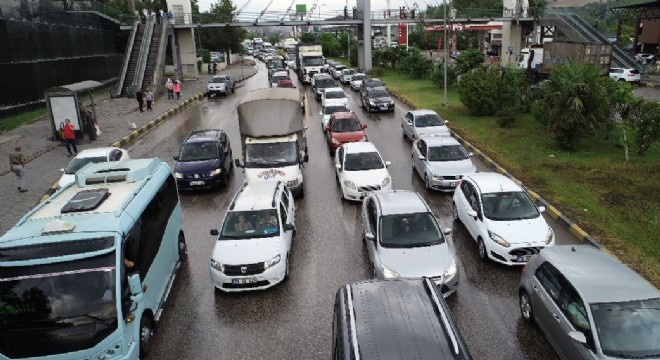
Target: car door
{"points": [[547, 288], [406, 124], [574, 317], [370, 226], [419, 150], [339, 160], [472, 203], [328, 133], [284, 219]]}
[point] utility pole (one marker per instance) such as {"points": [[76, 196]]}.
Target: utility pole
{"points": [[349, 47], [446, 53]]}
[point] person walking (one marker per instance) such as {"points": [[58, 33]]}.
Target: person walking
{"points": [[215, 68], [169, 85], [150, 99], [354, 12], [177, 89], [139, 96], [69, 132], [17, 163], [208, 67]]}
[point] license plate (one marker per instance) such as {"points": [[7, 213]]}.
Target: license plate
{"points": [[244, 281], [196, 183], [525, 258]]}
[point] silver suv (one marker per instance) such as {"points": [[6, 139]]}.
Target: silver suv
{"points": [[590, 306], [404, 240]]}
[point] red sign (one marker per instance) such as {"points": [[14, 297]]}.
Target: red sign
{"points": [[403, 34], [439, 43]]}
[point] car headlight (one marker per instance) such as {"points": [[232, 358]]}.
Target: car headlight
{"points": [[364, 138], [391, 102], [549, 236], [389, 273], [386, 181], [178, 175], [436, 177], [349, 184], [335, 141], [451, 270], [372, 103], [272, 262], [217, 171], [218, 266], [498, 239]]}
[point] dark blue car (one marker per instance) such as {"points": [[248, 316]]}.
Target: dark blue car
{"points": [[204, 160]]}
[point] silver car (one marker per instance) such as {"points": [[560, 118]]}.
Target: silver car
{"points": [[404, 240], [441, 161], [590, 306], [356, 81], [418, 123]]}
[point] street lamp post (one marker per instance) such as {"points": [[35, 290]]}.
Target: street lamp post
{"points": [[446, 54]]}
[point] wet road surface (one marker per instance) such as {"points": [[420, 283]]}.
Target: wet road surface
{"points": [[293, 320]]}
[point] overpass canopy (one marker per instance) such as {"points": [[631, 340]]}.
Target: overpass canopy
{"points": [[644, 9]]}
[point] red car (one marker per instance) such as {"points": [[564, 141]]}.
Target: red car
{"points": [[344, 127], [285, 84]]}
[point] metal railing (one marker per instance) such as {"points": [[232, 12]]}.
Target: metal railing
{"points": [[127, 58], [160, 60], [141, 64]]}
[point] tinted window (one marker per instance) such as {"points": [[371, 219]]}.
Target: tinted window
{"points": [[335, 95], [198, 151], [428, 120], [363, 161], [325, 82], [550, 280], [573, 308], [346, 125], [328, 110], [509, 206], [378, 93], [447, 153], [410, 230]]}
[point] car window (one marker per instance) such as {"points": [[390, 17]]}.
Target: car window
{"points": [[549, 278], [410, 230], [573, 308], [504, 206], [427, 120], [346, 125], [340, 155], [447, 153], [335, 95], [250, 224], [472, 198], [283, 215], [371, 216], [379, 93], [363, 161], [408, 117], [285, 199], [199, 151], [331, 109], [421, 146]]}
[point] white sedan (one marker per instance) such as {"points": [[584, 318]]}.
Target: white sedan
{"points": [[334, 94], [96, 155], [501, 218], [360, 170], [418, 123]]}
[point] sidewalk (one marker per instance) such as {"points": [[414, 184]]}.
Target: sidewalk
{"points": [[652, 81], [47, 157]]}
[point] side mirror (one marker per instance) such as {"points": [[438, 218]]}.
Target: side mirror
{"points": [[422, 157], [388, 163], [306, 158], [175, 157], [369, 236], [214, 232], [446, 121], [472, 213], [61, 170], [578, 336], [470, 154], [541, 208], [237, 162], [338, 167], [288, 227], [447, 231], [327, 128], [134, 283]]}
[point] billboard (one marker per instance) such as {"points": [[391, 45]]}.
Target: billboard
{"points": [[403, 34], [301, 9]]}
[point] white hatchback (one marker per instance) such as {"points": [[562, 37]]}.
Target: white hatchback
{"points": [[361, 170], [334, 94], [96, 155], [418, 123], [252, 248], [502, 219], [625, 74]]}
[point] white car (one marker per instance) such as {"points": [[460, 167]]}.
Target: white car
{"points": [[360, 170], [252, 248], [346, 74], [418, 123], [330, 109], [441, 161], [624, 74], [277, 76], [336, 95], [501, 218], [356, 81], [96, 155], [336, 71]]}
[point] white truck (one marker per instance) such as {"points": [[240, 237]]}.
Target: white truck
{"points": [[274, 147], [531, 58], [309, 61]]}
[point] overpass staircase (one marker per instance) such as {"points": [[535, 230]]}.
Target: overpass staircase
{"points": [[144, 59], [578, 30]]}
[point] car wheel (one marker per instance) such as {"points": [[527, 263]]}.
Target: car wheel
{"points": [[483, 254], [146, 332], [622, 80], [286, 271], [183, 248], [225, 178], [403, 132], [526, 307], [427, 183], [455, 212], [233, 89]]}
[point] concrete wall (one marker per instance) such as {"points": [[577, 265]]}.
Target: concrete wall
{"points": [[188, 58], [511, 36]]}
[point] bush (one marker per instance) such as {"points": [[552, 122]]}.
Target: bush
{"points": [[199, 65], [416, 65], [479, 91], [506, 117], [468, 60], [645, 121], [377, 71], [438, 75]]}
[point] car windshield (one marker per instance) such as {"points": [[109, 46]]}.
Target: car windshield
{"points": [[250, 225], [270, 154], [313, 61], [374, 83], [358, 77], [57, 308], [428, 120], [629, 330], [325, 82], [218, 80], [328, 110], [335, 95], [503, 206], [348, 72], [409, 230], [199, 151], [346, 125], [379, 93], [78, 163], [275, 79], [447, 153], [363, 161]]}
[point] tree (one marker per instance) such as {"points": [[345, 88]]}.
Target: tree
{"points": [[307, 38], [227, 38], [468, 60], [645, 121], [477, 8], [416, 65], [438, 75], [330, 44], [479, 91], [574, 102]]}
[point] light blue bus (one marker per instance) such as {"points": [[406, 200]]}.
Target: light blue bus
{"points": [[85, 274]]}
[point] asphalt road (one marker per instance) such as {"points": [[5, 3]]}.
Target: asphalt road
{"points": [[294, 319]]}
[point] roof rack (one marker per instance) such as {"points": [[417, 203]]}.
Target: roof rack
{"points": [[351, 323], [443, 316], [233, 202]]}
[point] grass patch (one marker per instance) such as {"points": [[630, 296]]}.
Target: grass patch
{"points": [[615, 201], [15, 121]]}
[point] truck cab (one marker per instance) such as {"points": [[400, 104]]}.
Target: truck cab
{"points": [[531, 58]]}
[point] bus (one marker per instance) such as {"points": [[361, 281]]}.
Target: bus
{"points": [[85, 274]]}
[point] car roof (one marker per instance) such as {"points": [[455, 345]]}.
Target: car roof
{"points": [[423, 112], [334, 89], [359, 147], [204, 135], [598, 276], [492, 182], [256, 195], [344, 115], [401, 202], [397, 317], [320, 75], [377, 88], [439, 140], [95, 152]]}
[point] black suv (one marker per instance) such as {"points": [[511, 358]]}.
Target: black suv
{"points": [[204, 160], [376, 319], [376, 99]]}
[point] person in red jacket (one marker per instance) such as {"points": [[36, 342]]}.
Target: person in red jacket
{"points": [[69, 135]]}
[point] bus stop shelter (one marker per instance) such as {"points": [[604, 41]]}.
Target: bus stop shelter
{"points": [[63, 103]]}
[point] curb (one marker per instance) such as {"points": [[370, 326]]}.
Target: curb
{"points": [[567, 223], [648, 84]]}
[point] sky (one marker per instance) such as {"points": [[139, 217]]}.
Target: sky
{"points": [[328, 7]]}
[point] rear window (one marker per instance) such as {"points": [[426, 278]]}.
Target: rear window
{"points": [[634, 71]]}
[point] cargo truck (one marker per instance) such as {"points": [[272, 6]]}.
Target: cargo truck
{"points": [[274, 147], [309, 61]]}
